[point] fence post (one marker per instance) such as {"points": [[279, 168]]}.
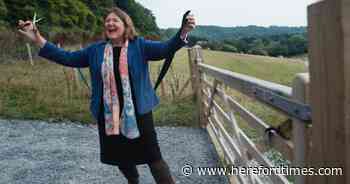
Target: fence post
{"points": [[162, 86], [30, 54], [329, 45], [191, 62], [195, 57], [301, 138]]}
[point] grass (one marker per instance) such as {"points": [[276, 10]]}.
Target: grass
{"points": [[40, 92], [43, 92], [281, 71]]}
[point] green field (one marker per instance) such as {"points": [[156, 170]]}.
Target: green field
{"points": [[281, 71], [43, 91]]}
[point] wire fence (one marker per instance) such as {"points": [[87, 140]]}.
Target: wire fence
{"points": [[13, 47]]}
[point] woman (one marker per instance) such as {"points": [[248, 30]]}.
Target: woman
{"points": [[122, 95]]}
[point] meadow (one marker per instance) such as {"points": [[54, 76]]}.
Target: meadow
{"points": [[46, 90]]}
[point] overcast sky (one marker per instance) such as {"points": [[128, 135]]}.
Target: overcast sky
{"points": [[230, 12]]}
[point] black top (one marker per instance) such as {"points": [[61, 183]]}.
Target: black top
{"points": [[116, 55]]}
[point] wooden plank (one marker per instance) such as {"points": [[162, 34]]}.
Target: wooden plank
{"points": [[260, 158], [231, 146], [273, 95], [277, 142], [213, 137], [240, 81], [317, 70], [346, 31], [300, 135], [223, 144], [226, 151], [191, 63], [223, 114], [328, 37], [184, 87], [253, 121], [228, 139], [198, 77], [258, 180], [231, 143], [225, 117], [211, 96]]}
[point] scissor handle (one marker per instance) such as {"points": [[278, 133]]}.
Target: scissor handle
{"points": [[184, 19]]}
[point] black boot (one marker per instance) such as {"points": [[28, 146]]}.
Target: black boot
{"points": [[161, 172]]}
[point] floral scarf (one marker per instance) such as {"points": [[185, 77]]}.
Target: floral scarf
{"points": [[127, 124]]}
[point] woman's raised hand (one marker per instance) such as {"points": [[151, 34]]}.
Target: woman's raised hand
{"points": [[189, 24], [29, 30]]}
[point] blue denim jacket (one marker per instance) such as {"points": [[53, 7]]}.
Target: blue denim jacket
{"points": [[140, 51]]}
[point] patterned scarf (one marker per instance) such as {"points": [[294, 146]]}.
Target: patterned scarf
{"points": [[127, 124]]}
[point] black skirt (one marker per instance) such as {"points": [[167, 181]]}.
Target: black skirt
{"points": [[119, 150]]}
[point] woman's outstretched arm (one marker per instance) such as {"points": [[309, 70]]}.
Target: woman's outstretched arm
{"points": [[157, 50], [77, 59], [50, 51]]}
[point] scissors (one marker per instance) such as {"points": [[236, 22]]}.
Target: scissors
{"points": [[34, 21]]}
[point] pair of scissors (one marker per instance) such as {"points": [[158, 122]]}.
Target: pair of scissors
{"points": [[34, 21]]}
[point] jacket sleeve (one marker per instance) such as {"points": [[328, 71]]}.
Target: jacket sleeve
{"points": [[157, 50], [77, 59]]}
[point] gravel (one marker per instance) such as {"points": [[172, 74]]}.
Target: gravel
{"points": [[38, 152]]}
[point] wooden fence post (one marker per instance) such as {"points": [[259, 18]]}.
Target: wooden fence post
{"points": [[301, 131], [329, 46], [162, 86], [195, 57], [191, 63]]}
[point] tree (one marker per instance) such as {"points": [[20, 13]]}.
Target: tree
{"points": [[3, 13], [192, 40], [257, 48], [229, 48], [142, 17], [3, 10], [19, 9], [75, 17], [98, 8], [276, 49], [297, 44]]}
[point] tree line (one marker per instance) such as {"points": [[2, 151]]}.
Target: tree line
{"points": [[74, 18], [78, 20], [276, 45], [271, 41]]}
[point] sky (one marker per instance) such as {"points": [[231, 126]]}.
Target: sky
{"points": [[229, 13]]}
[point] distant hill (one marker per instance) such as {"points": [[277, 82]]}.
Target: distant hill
{"points": [[272, 41], [217, 33]]}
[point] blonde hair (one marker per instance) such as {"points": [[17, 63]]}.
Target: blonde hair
{"points": [[130, 31]]}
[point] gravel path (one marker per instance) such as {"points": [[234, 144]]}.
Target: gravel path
{"points": [[37, 152]]}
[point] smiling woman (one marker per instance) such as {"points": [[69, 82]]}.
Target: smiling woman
{"points": [[122, 95], [119, 27]]}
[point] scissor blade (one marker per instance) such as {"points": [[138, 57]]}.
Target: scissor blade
{"points": [[36, 21], [34, 18]]}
